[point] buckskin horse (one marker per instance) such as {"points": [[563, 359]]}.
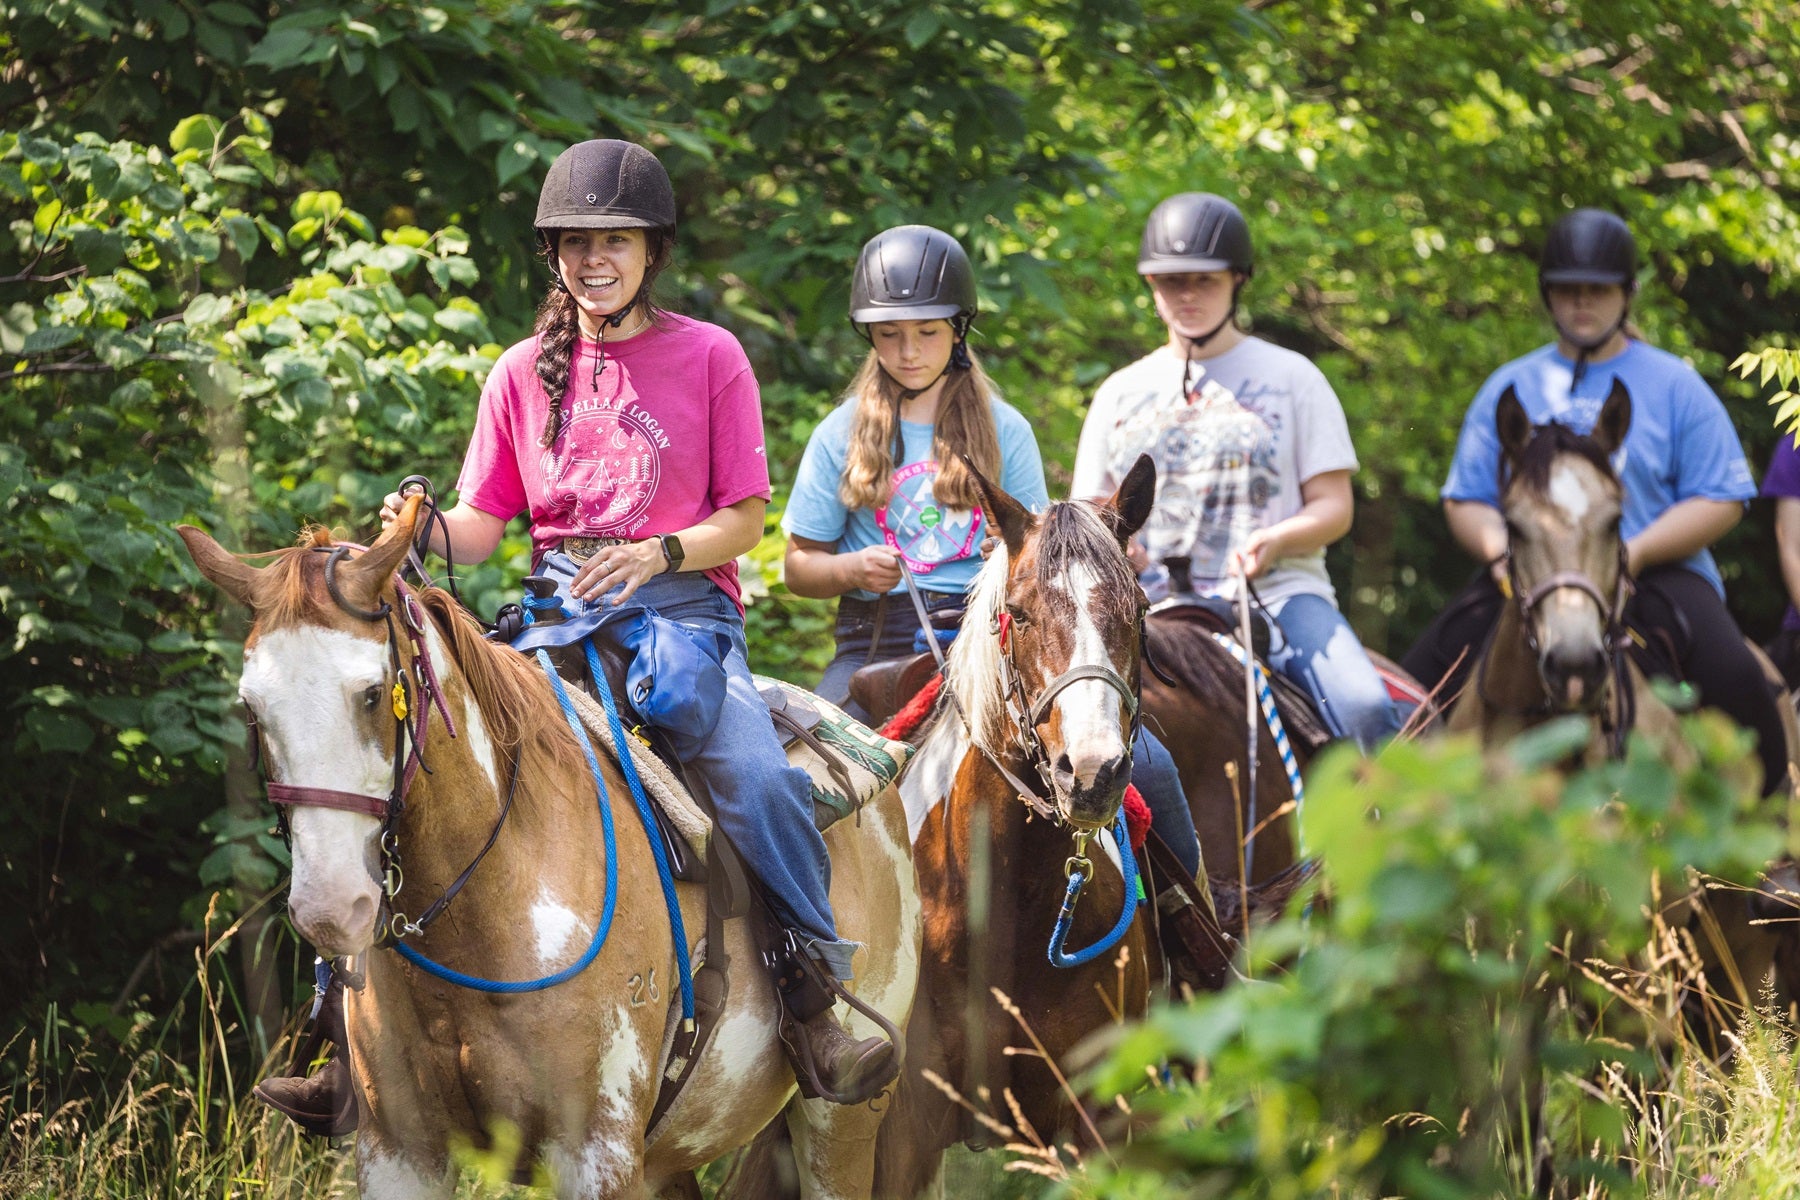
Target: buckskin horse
{"points": [[340, 656], [1561, 647]]}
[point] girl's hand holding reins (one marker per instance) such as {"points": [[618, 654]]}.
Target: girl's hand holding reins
{"points": [[873, 569], [390, 510], [625, 567], [1259, 550]]}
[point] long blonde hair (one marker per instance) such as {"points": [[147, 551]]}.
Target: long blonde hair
{"points": [[964, 425]]}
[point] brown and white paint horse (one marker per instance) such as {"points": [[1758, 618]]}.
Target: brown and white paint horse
{"points": [[1558, 649], [575, 1069], [1045, 671]]}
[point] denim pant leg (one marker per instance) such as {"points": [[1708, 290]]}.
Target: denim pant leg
{"points": [[762, 804], [865, 636], [1153, 772], [1316, 648]]}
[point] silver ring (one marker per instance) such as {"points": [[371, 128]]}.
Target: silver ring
{"points": [[606, 564]]}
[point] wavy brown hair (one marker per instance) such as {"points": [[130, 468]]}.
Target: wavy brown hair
{"points": [[964, 425], [559, 321]]}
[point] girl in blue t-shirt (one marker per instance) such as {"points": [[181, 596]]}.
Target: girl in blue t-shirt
{"points": [[1683, 471], [882, 483]]}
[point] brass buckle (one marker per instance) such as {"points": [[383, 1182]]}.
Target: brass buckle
{"points": [[580, 549]]}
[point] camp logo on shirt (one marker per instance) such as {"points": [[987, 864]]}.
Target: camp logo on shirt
{"points": [[604, 468], [926, 534]]}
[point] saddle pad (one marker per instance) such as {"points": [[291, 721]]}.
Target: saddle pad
{"points": [[849, 763], [660, 783]]}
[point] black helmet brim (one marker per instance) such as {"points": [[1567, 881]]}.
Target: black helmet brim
{"points": [[1584, 275]]}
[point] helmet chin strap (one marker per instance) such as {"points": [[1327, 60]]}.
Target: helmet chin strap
{"points": [[1199, 341], [1584, 349]]}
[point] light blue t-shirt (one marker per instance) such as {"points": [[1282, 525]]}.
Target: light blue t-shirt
{"points": [[942, 546], [1680, 444]]}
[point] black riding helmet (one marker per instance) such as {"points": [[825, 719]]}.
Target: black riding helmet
{"points": [[915, 273], [1589, 245], [1198, 231], [1195, 231], [604, 184]]}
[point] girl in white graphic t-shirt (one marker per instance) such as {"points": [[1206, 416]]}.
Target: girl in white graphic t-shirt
{"points": [[1253, 461]]}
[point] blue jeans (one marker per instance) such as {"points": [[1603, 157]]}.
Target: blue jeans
{"points": [[1313, 645], [871, 631], [763, 805]]}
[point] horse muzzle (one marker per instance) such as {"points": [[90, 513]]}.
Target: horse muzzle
{"points": [[1088, 794], [1574, 676]]}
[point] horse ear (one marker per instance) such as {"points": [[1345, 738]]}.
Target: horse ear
{"points": [[1012, 518], [229, 573], [1614, 421], [1512, 423], [366, 575], [1130, 506]]}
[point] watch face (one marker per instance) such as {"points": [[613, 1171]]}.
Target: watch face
{"points": [[671, 548]]}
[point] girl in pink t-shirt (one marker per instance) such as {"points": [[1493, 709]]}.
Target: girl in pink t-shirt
{"points": [[632, 437]]}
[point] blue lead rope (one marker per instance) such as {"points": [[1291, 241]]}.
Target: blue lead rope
{"points": [[677, 928], [575, 968], [581, 964], [1077, 880]]}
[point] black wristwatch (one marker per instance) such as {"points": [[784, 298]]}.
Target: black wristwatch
{"points": [[671, 552]]}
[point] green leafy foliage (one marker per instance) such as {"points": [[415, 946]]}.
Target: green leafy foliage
{"points": [[1456, 974]]}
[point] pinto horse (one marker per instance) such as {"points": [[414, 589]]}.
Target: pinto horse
{"points": [[1042, 686], [338, 652], [1560, 648]]}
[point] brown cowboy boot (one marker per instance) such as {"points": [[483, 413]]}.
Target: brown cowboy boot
{"points": [[323, 1104], [828, 1062]]}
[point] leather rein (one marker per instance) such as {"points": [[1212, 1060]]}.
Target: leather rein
{"points": [[416, 692], [1617, 724]]}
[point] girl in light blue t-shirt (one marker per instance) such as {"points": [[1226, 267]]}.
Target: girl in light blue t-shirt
{"points": [[882, 483]]}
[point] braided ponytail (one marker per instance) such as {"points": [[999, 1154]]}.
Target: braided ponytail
{"points": [[556, 321]]}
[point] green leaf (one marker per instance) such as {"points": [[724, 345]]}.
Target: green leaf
{"points": [[922, 27], [42, 151], [515, 158], [198, 132], [56, 731], [207, 309], [461, 322], [282, 48], [49, 337]]}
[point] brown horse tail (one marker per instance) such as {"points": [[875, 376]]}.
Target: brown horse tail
{"points": [[1266, 900]]}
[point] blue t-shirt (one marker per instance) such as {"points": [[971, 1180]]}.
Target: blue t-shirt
{"points": [[942, 546], [1680, 445]]}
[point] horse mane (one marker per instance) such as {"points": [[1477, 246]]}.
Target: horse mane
{"points": [[1181, 644], [516, 703], [1069, 533], [1531, 466], [515, 700]]}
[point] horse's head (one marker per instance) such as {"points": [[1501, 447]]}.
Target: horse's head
{"points": [[1562, 504], [319, 683], [1066, 617]]}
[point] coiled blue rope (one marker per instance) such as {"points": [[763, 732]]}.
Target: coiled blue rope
{"points": [[1133, 898]]}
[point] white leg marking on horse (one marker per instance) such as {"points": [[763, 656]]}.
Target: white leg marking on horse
{"points": [[622, 1068], [1090, 709], [602, 1168], [393, 1178], [742, 1047], [1567, 492], [556, 926]]}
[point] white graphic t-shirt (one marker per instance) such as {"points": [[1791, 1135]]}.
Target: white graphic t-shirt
{"points": [[1231, 453]]}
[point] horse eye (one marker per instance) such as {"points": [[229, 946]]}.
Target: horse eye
{"points": [[372, 697], [1018, 615]]}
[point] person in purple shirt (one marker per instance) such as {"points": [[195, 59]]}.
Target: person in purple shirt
{"points": [[1683, 470], [1782, 483]]}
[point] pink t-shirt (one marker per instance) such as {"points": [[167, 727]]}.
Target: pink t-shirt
{"points": [[670, 433]]}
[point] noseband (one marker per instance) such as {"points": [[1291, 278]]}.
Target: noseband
{"points": [[1028, 714], [1612, 611]]}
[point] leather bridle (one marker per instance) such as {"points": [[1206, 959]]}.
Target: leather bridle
{"points": [[1027, 714]]}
